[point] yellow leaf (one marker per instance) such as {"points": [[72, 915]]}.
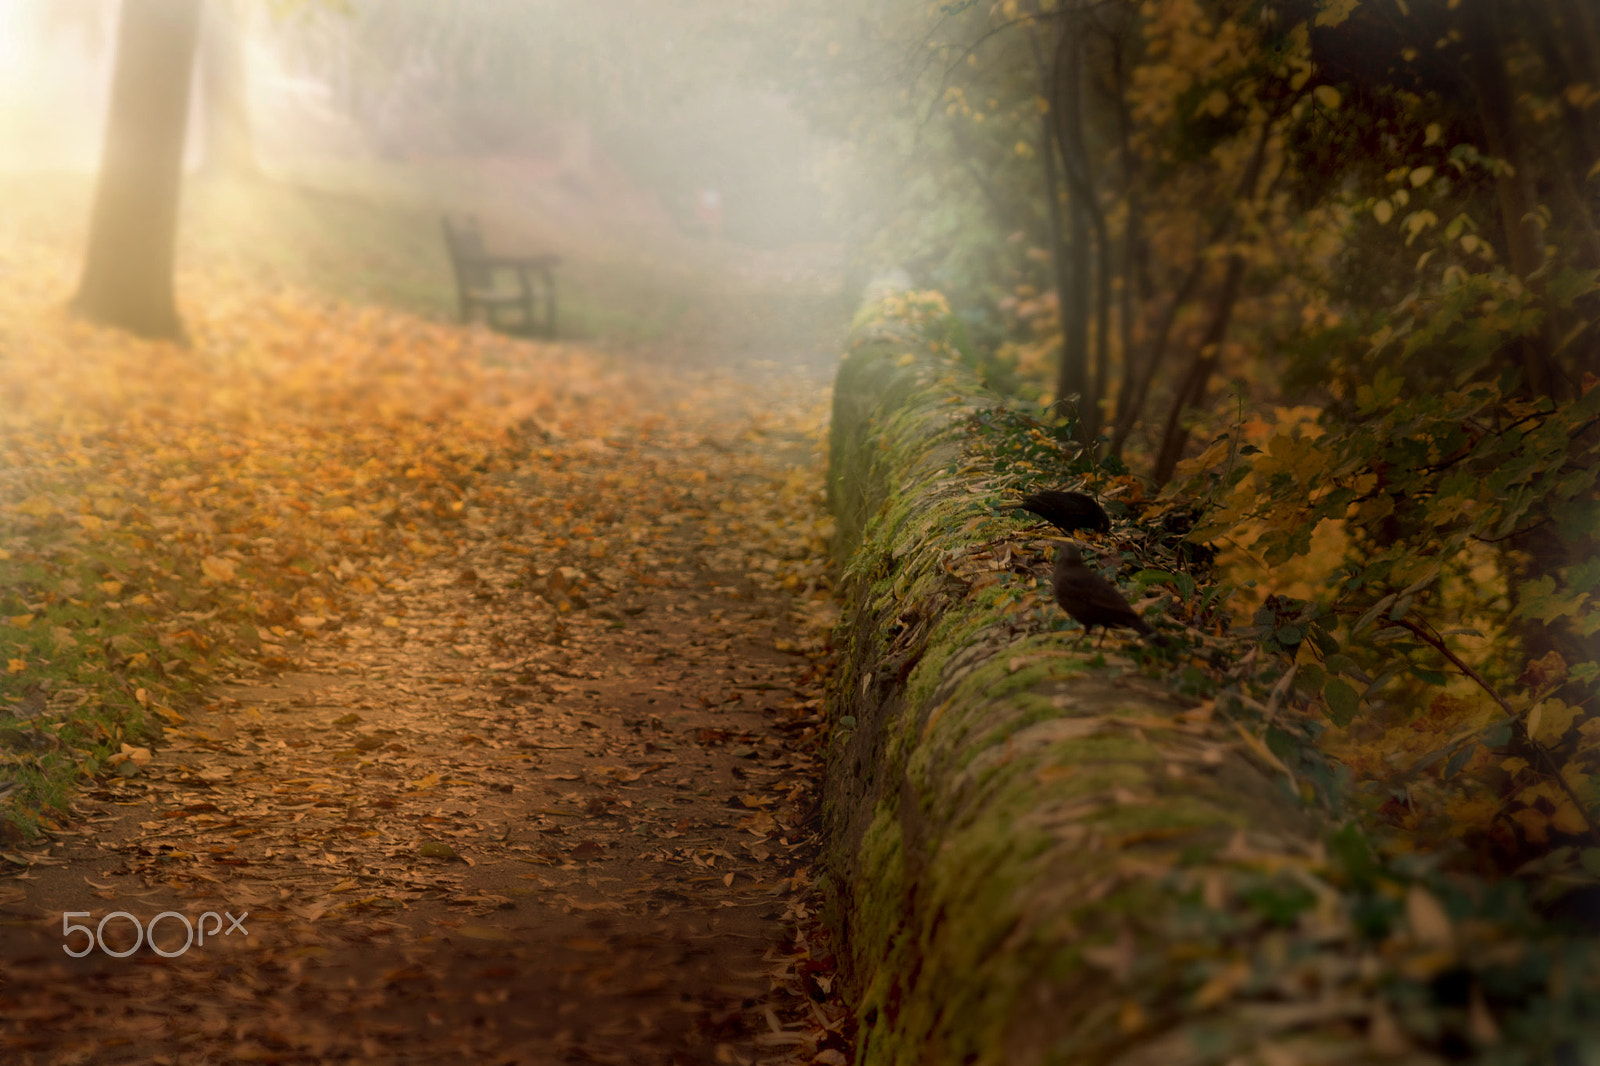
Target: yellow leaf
{"points": [[1418, 221], [16, 666], [1432, 134], [1334, 12], [1420, 176], [1327, 96], [1534, 824], [1222, 984], [1469, 243], [218, 569], [90, 523], [1216, 104], [1430, 925], [1383, 211], [1568, 819], [21, 621], [483, 932], [1555, 718]]}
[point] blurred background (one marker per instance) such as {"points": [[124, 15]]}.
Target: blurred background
{"points": [[325, 140]]}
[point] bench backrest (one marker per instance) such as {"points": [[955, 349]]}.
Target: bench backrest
{"points": [[464, 239]]}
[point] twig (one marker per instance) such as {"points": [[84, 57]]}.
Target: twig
{"points": [[1437, 643]]}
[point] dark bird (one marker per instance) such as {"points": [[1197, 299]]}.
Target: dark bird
{"points": [[1090, 598], [1067, 511]]}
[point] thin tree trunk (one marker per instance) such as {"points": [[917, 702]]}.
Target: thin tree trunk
{"points": [[1566, 57], [1514, 186], [127, 274], [1073, 379], [1581, 28], [1094, 418], [1130, 239], [1070, 372], [1175, 434], [1089, 224], [1128, 412], [1129, 406]]}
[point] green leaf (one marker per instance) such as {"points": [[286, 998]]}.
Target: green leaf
{"points": [[1145, 578], [1349, 848], [1343, 664], [1289, 636], [1372, 612], [1459, 759], [1432, 677], [1342, 701], [1312, 677]]}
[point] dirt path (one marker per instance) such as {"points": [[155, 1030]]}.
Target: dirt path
{"points": [[545, 798]]}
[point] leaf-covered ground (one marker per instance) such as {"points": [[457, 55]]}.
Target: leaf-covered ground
{"points": [[482, 675]]}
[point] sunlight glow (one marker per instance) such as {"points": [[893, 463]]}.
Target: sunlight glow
{"points": [[54, 76]]}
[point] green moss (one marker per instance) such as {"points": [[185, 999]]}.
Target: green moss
{"points": [[990, 838]]}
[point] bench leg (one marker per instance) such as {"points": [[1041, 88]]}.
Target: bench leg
{"points": [[550, 303]]}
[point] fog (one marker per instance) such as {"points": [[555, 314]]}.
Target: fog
{"points": [[549, 107]]}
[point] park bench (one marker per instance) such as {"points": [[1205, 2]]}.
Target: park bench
{"points": [[516, 294]]}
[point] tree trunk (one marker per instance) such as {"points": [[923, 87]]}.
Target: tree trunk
{"points": [[1130, 244], [1175, 434], [1072, 371], [230, 144], [1128, 408], [1088, 225], [1514, 186], [127, 274]]}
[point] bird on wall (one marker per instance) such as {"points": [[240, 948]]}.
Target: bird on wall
{"points": [[1089, 598], [1066, 510]]}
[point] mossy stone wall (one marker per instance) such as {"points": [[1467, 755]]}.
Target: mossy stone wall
{"points": [[1024, 841]]}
